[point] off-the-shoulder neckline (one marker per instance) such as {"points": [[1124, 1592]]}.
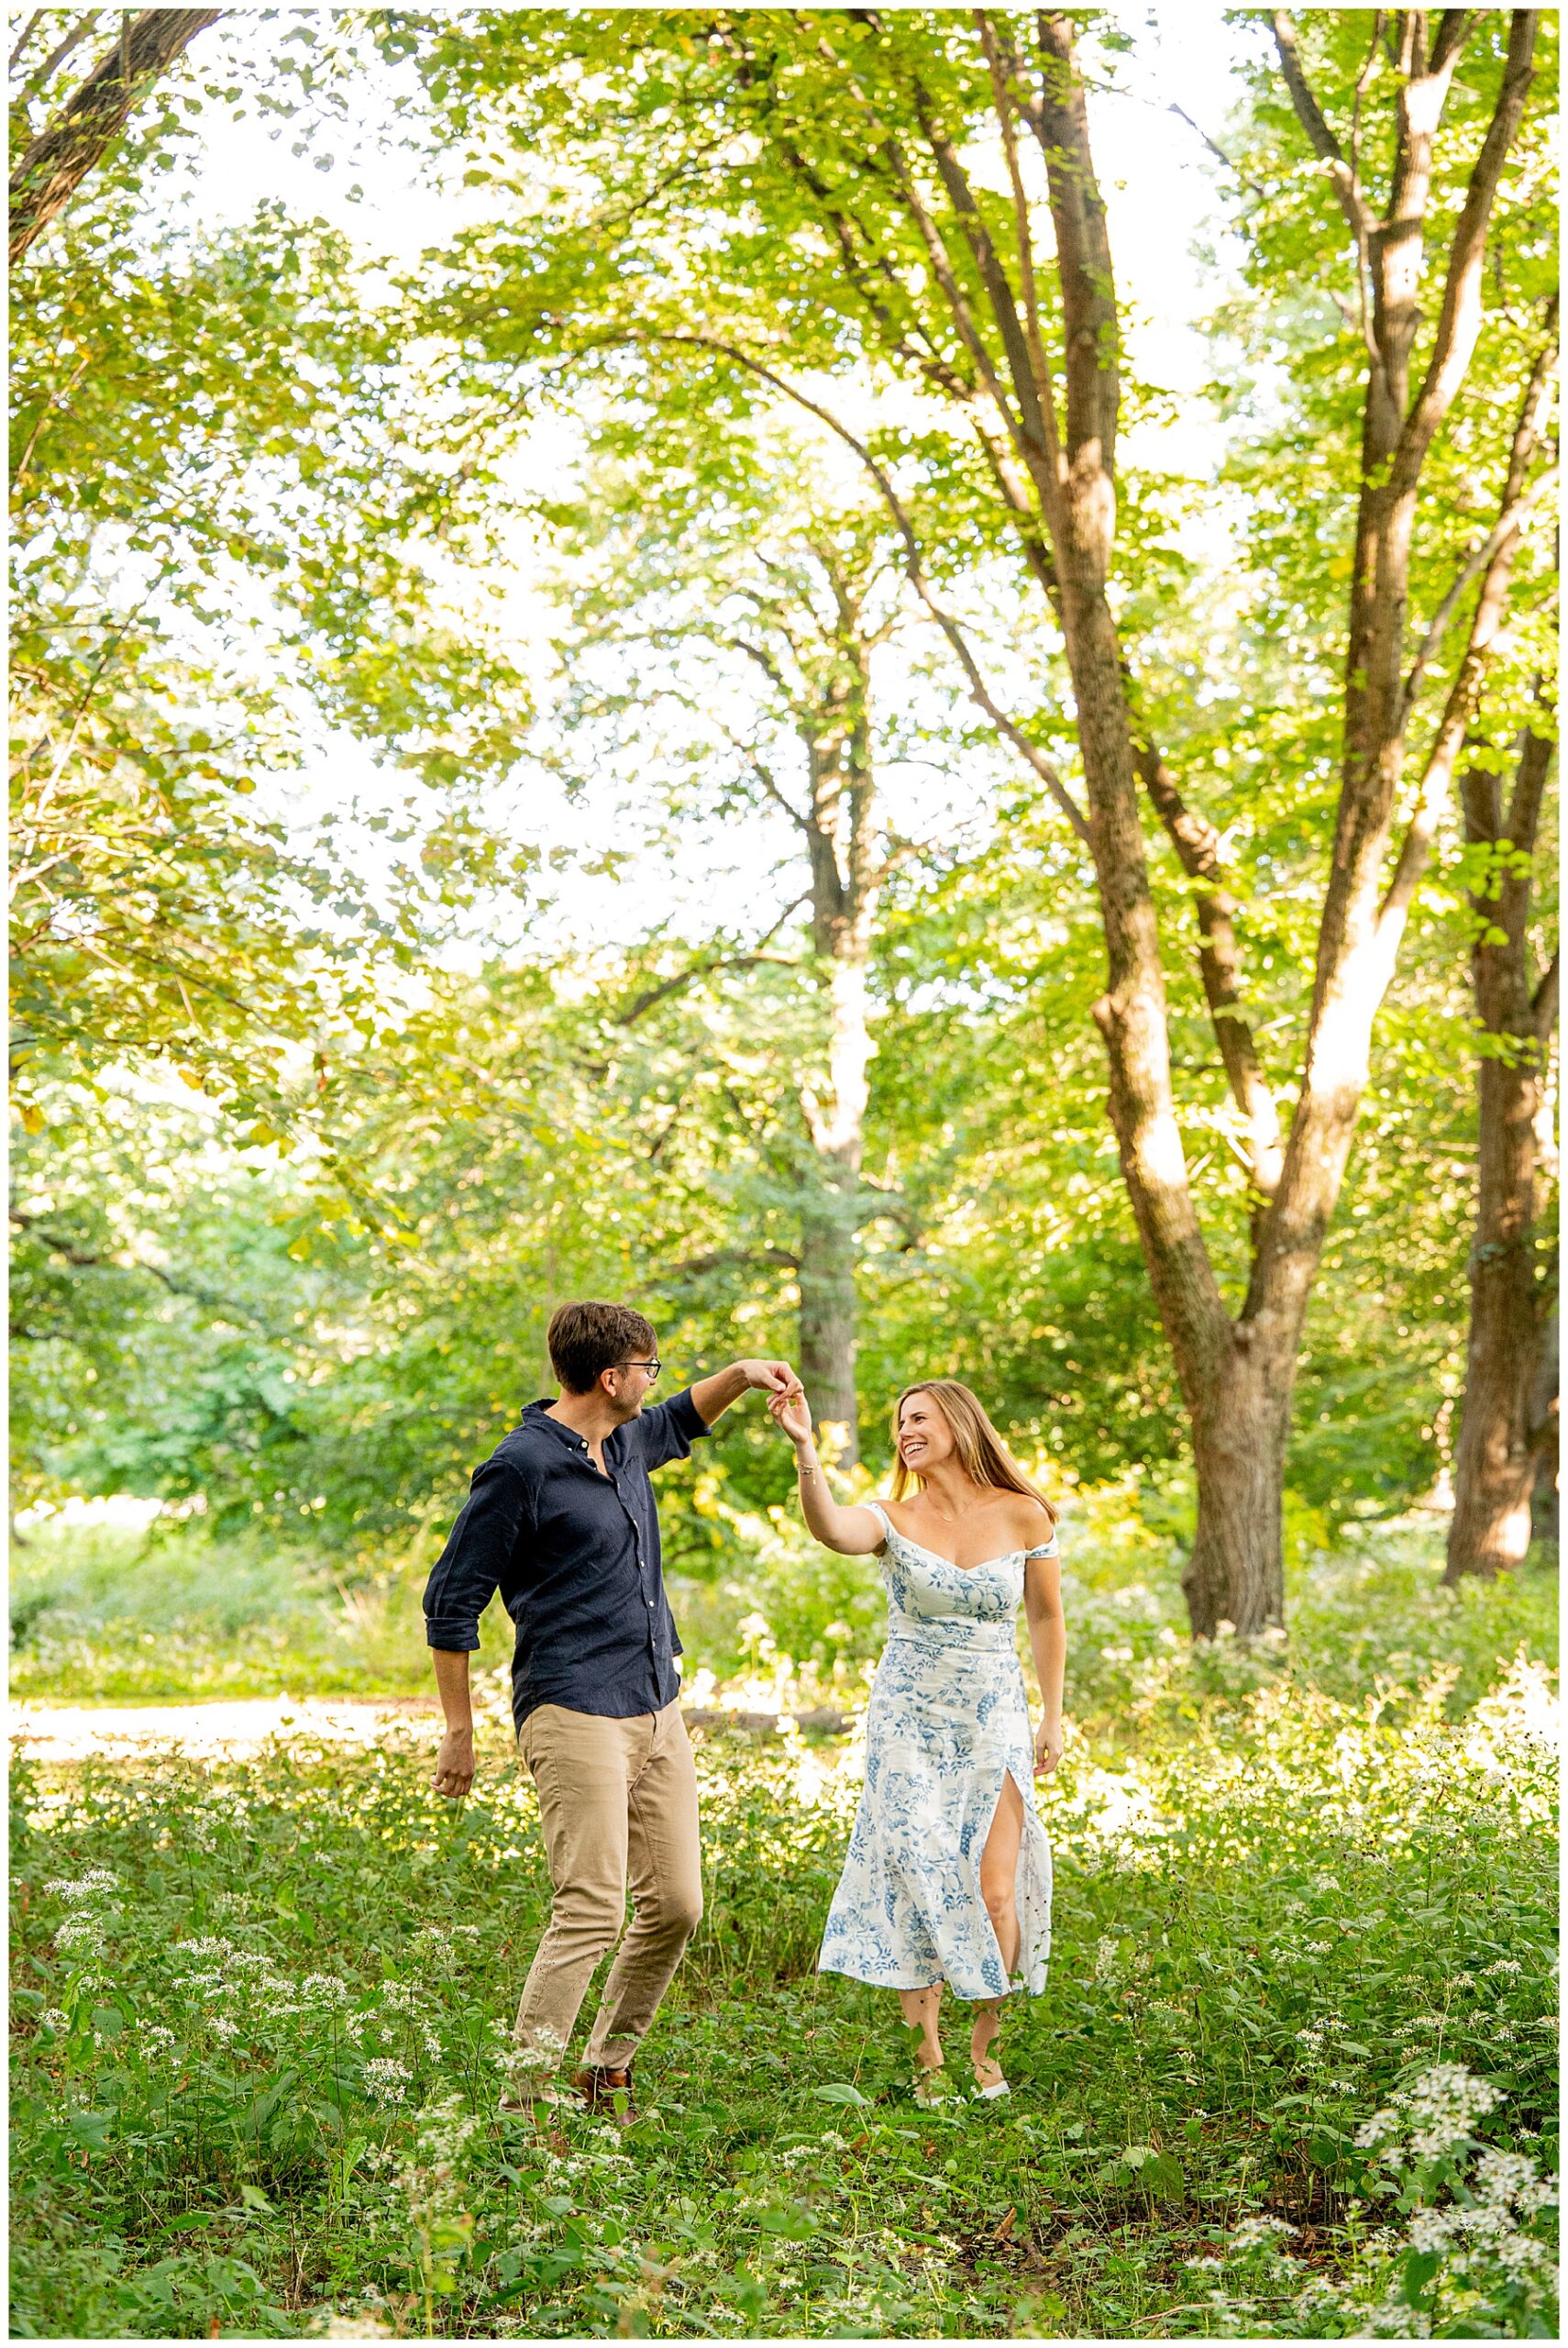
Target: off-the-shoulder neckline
{"points": [[1002, 1558]]}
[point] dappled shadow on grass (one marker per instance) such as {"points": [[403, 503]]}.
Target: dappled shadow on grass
{"points": [[261, 2007]]}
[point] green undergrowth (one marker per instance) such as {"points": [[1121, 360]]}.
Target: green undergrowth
{"points": [[103, 1615], [1294, 2073], [100, 1614]]}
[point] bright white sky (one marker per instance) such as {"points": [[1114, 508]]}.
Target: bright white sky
{"points": [[1161, 182]]}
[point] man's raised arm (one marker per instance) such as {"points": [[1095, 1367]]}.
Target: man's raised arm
{"points": [[711, 1396]]}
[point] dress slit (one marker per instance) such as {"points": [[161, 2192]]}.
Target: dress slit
{"points": [[1008, 1771]]}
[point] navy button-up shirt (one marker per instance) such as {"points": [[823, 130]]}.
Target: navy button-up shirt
{"points": [[575, 1555]]}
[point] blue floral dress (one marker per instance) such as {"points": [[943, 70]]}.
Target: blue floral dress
{"points": [[948, 1722]]}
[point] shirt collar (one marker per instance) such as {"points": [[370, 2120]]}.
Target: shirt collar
{"points": [[538, 1414]]}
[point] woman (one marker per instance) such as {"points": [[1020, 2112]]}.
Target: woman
{"points": [[948, 1876]]}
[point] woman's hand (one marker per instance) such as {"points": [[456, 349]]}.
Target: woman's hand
{"points": [[1047, 1749], [793, 1414]]}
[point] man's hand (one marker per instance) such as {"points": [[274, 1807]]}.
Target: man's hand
{"points": [[455, 1763], [712, 1395]]}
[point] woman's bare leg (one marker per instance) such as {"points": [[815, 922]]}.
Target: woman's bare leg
{"points": [[921, 2009], [999, 1889]]}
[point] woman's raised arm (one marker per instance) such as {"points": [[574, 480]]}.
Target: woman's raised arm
{"points": [[853, 1532]]}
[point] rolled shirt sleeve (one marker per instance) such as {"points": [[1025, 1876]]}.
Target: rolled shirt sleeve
{"points": [[670, 1429], [470, 1569]]}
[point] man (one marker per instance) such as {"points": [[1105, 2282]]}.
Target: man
{"points": [[561, 1520]]}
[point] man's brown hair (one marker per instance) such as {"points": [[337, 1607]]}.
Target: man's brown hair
{"points": [[583, 1339]]}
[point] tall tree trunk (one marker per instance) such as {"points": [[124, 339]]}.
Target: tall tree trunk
{"points": [[1496, 1458], [1235, 1572], [844, 886], [828, 1316], [59, 159]]}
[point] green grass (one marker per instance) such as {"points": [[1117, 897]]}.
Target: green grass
{"points": [[1283, 1895], [103, 1615]]}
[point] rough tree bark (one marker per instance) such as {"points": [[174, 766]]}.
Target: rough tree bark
{"points": [[60, 157], [976, 334], [1496, 1458]]}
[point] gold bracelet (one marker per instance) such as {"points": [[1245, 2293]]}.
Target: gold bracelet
{"points": [[803, 1470]]}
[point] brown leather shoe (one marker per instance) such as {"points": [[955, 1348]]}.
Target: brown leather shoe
{"points": [[601, 2085]]}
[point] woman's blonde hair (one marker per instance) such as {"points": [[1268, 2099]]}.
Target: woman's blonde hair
{"points": [[981, 1451]]}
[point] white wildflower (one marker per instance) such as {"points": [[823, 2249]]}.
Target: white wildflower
{"points": [[523, 2065], [222, 2028], [386, 2080], [1513, 2176], [1438, 2111], [80, 1931], [83, 1892], [1257, 2233], [323, 1993], [1430, 2229], [1107, 1961]]}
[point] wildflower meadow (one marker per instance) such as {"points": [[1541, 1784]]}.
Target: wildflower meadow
{"points": [[1293, 2075]]}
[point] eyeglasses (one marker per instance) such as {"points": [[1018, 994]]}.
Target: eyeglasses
{"points": [[653, 1367]]}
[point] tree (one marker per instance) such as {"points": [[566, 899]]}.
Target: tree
{"points": [[227, 536], [710, 562], [1509, 1410], [828, 171], [57, 161]]}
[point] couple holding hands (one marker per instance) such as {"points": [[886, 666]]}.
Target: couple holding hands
{"points": [[948, 1873]]}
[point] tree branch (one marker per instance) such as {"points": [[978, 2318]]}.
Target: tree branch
{"points": [[58, 55], [1505, 527], [1313, 122], [28, 30], [703, 970], [1196, 844], [59, 159], [1486, 627], [1452, 31], [914, 569], [82, 1260], [1459, 320]]}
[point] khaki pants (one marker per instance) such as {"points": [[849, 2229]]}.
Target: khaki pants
{"points": [[618, 1804]]}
